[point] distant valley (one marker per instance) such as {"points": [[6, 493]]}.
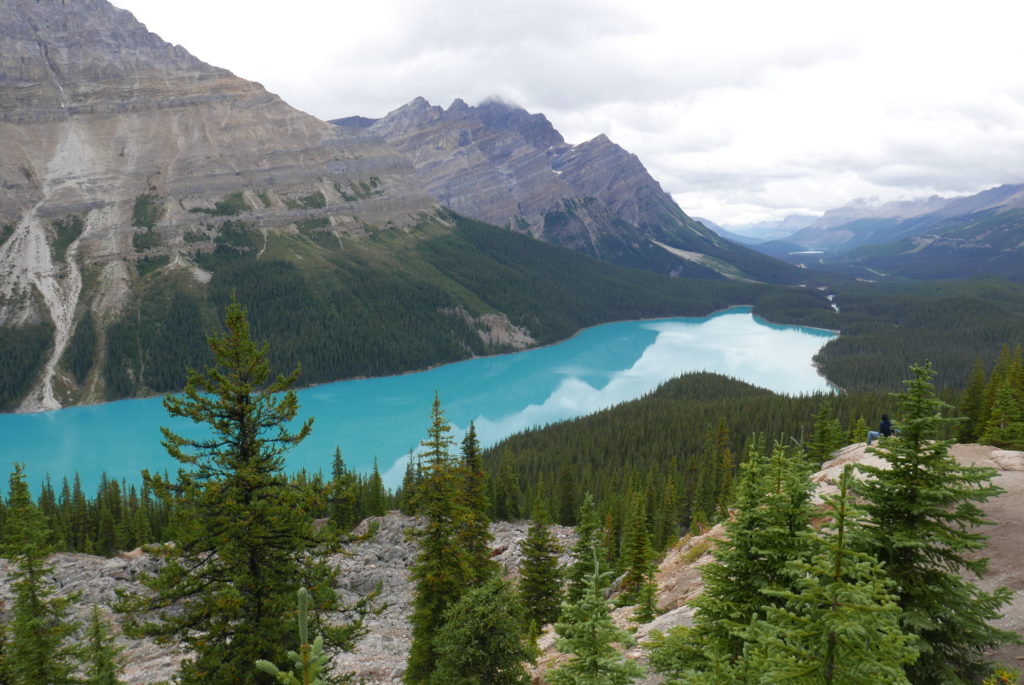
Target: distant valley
{"points": [[981, 234]]}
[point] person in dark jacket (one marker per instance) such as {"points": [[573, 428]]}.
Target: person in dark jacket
{"points": [[884, 429]]}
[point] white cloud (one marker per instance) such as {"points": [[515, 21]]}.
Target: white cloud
{"points": [[740, 109]]}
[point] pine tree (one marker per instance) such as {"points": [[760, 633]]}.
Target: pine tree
{"points": [[485, 638], [666, 522], [609, 541], [506, 491], [309, 661], [342, 495], [646, 602], [1005, 426], [840, 625], [587, 541], [859, 431], [827, 435], [243, 541], [410, 482], [540, 584], [442, 570], [37, 650], [103, 659], [376, 496], [709, 473], [923, 512], [566, 499], [970, 405], [587, 632], [637, 553], [773, 513], [475, 532]]}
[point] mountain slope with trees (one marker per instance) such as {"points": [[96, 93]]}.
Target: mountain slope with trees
{"points": [[496, 162]]}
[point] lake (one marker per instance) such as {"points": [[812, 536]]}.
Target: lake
{"points": [[385, 418]]}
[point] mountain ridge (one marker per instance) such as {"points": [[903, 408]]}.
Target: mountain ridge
{"points": [[498, 163]]}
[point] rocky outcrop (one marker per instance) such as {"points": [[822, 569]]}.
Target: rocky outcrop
{"points": [[382, 559], [108, 133], [498, 163]]}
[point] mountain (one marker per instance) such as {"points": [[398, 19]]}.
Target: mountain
{"points": [[498, 163], [865, 223], [727, 234], [123, 154], [144, 189], [933, 238], [777, 229]]}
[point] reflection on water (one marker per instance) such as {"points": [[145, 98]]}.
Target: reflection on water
{"points": [[385, 418]]}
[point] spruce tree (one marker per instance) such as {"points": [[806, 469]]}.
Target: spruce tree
{"points": [[341, 494], [309, 661], [773, 513], [827, 435], [242, 540], [587, 541], [1005, 426], [840, 624], [637, 552], [37, 649], [443, 570], [376, 495], [103, 659], [540, 583], [970, 405], [924, 517], [475, 533], [485, 638], [586, 631], [505, 490]]}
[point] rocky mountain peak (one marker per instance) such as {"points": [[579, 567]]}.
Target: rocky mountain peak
{"points": [[127, 149], [499, 163]]}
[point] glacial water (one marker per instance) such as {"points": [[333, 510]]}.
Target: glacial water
{"points": [[385, 418]]}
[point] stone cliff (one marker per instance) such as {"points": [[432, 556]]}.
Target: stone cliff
{"points": [[498, 163], [117, 147]]}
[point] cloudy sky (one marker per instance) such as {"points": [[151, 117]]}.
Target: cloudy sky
{"points": [[744, 111]]}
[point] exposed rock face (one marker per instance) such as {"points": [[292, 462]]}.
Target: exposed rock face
{"points": [[103, 121], [383, 559], [498, 163]]}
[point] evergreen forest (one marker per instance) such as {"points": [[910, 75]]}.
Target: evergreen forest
{"points": [[249, 542]]}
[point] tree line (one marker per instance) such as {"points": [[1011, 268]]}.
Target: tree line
{"points": [[245, 540]]}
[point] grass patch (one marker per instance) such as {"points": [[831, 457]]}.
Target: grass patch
{"points": [[6, 231], [196, 237], [68, 229], [232, 205], [148, 265], [307, 225], [147, 211], [145, 241], [697, 551], [315, 200], [264, 198]]}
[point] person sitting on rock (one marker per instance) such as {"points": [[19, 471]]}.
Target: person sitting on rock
{"points": [[885, 429]]}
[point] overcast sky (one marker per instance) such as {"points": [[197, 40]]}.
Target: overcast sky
{"points": [[744, 111]]}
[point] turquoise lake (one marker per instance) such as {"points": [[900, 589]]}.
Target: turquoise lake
{"points": [[387, 417]]}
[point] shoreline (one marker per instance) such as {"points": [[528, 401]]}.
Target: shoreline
{"points": [[713, 313]]}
